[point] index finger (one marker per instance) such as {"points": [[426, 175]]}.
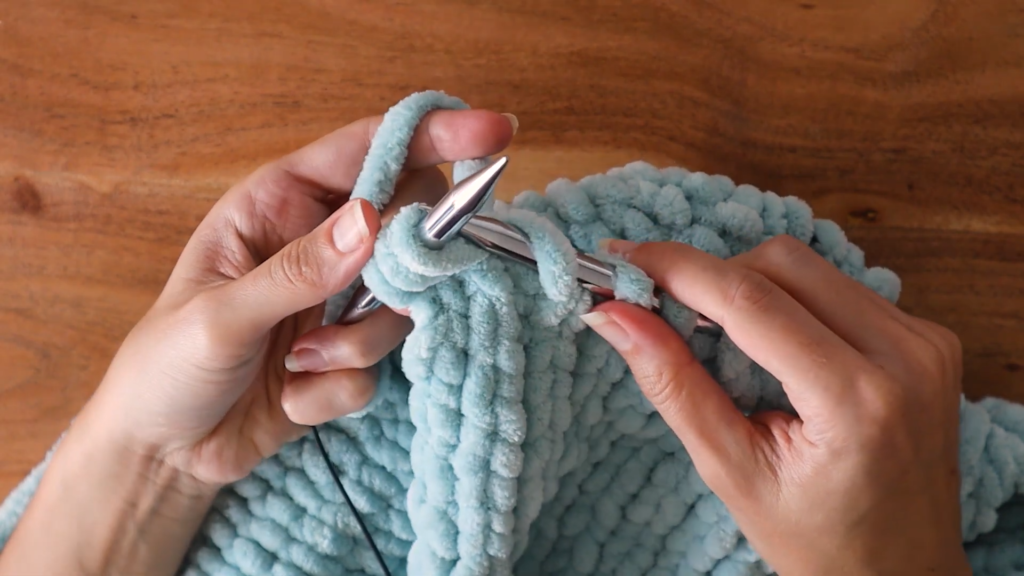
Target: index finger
{"points": [[333, 162], [294, 194], [817, 368]]}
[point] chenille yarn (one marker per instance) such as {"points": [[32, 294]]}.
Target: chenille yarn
{"points": [[506, 438]]}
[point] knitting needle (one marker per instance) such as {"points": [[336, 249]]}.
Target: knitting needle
{"points": [[592, 274], [457, 214], [441, 224]]}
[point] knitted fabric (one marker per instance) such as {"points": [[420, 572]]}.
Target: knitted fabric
{"points": [[505, 437]]}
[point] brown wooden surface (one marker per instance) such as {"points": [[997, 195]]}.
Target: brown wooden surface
{"points": [[121, 122]]}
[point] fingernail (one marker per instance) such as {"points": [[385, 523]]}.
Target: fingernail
{"points": [[616, 246], [513, 121], [305, 360], [350, 230], [609, 329]]}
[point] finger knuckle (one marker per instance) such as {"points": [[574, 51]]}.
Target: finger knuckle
{"points": [[929, 360], [661, 382], [939, 352], [359, 390], [359, 354], [951, 344], [300, 265], [875, 409], [750, 292], [292, 408], [783, 249], [882, 407]]}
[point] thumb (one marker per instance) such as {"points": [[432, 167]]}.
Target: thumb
{"points": [[718, 437], [305, 273]]}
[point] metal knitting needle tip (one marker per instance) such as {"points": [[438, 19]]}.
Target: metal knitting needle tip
{"points": [[441, 224], [598, 277], [464, 200]]}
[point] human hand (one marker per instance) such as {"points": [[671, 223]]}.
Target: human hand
{"points": [[198, 393], [201, 382], [865, 480]]}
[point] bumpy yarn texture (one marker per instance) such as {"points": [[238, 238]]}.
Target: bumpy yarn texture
{"points": [[507, 438]]}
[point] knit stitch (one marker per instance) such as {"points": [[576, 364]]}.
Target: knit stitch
{"points": [[505, 437]]}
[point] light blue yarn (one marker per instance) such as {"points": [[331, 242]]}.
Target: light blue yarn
{"points": [[506, 438]]}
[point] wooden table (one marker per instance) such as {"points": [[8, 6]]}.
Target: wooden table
{"points": [[122, 122]]}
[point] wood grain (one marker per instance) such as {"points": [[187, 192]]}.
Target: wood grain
{"points": [[121, 123]]}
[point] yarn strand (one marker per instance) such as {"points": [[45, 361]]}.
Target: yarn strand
{"points": [[351, 505]]}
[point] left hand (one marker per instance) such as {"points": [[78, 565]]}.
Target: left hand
{"points": [[201, 382], [231, 362]]}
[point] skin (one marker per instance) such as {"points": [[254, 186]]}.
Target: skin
{"points": [[231, 363], [868, 470]]}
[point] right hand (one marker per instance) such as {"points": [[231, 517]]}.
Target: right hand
{"points": [[865, 480]]}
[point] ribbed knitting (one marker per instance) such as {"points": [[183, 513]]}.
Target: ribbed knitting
{"points": [[505, 437]]}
